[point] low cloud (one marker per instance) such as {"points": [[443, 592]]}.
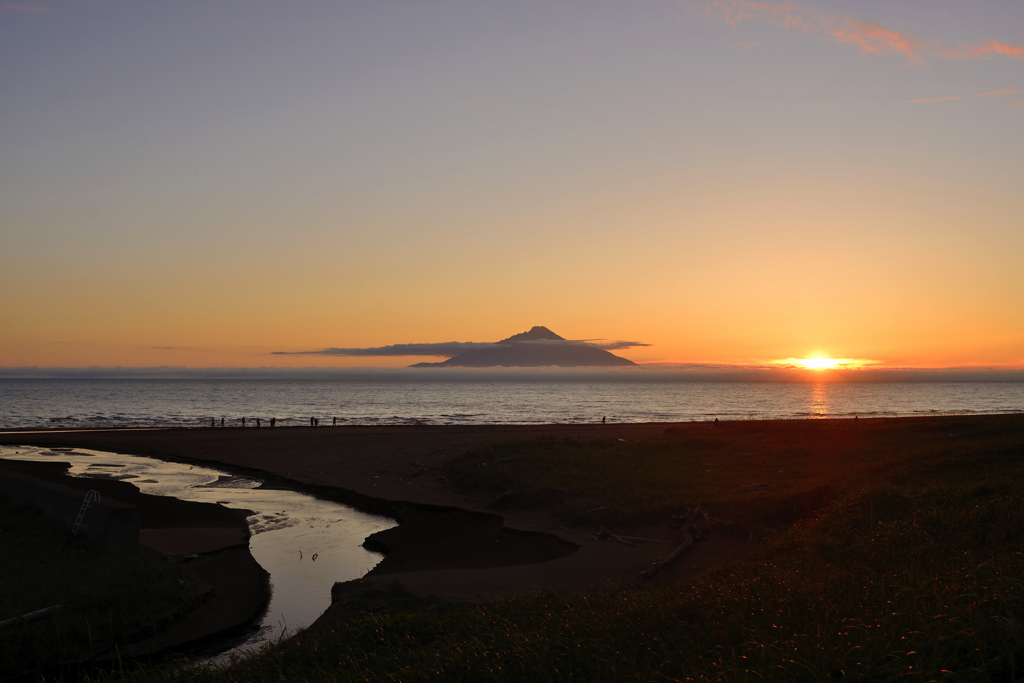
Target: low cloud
{"points": [[449, 349], [612, 345], [442, 349]]}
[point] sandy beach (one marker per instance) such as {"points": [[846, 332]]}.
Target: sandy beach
{"points": [[448, 543]]}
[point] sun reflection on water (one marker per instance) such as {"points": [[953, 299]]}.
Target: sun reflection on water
{"points": [[818, 405]]}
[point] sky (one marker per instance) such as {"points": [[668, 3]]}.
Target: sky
{"points": [[202, 184]]}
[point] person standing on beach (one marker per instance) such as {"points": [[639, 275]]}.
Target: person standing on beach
{"points": [[257, 422], [243, 421], [213, 422], [334, 422], [222, 422], [273, 421]]}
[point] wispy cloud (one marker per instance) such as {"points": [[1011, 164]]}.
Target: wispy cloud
{"points": [[24, 8], [1008, 91], [932, 99], [867, 36], [870, 37], [990, 50]]}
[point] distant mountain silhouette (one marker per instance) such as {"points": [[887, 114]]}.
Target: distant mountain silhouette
{"points": [[536, 333], [540, 347]]}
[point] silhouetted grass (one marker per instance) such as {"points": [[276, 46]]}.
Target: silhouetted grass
{"points": [[102, 599], [750, 474], [914, 571]]}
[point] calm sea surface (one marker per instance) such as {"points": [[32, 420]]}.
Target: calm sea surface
{"points": [[136, 402]]}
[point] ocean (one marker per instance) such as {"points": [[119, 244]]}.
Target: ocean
{"points": [[78, 403]]}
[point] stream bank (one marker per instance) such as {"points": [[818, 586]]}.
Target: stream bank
{"points": [[208, 541], [212, 542]]}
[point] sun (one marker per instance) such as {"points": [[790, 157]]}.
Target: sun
{"points": [[823, 362], [820, 363]]}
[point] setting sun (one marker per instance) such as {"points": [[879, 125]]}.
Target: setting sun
{"points": [[820, 363], [825, 363]]}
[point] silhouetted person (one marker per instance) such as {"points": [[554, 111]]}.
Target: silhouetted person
{"points": [[222, 422], [334, 422], [311, 422], [716, 421], [316, 421], [257, 422], [604, 420], [273, 421], [243, 421], [213, 422]]}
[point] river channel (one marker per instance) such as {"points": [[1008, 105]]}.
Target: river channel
{"points": [[306, 544]]}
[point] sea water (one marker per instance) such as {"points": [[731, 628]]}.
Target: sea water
{"points": [[138, 402], [77, 403]]}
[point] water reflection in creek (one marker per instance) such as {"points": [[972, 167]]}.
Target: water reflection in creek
{"points": [[288, 528]]}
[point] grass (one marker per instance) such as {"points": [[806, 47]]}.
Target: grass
{"points": [[914, 570], [751, 474], [103, 600]]}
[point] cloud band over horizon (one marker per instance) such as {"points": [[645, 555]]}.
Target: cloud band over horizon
{"points": [[448, 348]]}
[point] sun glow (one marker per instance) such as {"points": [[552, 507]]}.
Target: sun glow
{"points": [[825, 363], [820, 363]]}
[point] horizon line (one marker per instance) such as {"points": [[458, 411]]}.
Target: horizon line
{"points": [[708, 372]]}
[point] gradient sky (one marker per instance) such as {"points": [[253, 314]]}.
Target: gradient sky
{"points": [[202, 183]]}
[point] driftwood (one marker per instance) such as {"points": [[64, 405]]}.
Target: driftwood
{"points": [[31, 616], [695, 525], [605, 535], [653, 570]]}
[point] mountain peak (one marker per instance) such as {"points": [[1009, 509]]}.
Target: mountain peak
{"points": [[509, 353], [536, 333]]}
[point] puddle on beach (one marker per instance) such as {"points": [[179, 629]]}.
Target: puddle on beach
{"points": [[288, 528]]}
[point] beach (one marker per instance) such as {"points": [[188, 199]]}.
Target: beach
{"points": [[457, 544], [445, 543]]}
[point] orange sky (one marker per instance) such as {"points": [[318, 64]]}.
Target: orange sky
{"points": [[725, 183]]}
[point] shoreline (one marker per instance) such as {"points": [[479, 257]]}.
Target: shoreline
{"points": [[396, 471]]}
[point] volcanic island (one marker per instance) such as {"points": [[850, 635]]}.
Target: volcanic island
{"points": [[540, 347]]}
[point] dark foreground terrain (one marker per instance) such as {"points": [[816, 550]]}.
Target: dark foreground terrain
{"points": [[894, 551]]}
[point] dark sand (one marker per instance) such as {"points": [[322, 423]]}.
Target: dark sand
{"points": [[171, 530], [448, 543]]}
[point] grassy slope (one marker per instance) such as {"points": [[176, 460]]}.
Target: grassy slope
{"points": [[748, 473], [913, 572], [103, 600]]}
